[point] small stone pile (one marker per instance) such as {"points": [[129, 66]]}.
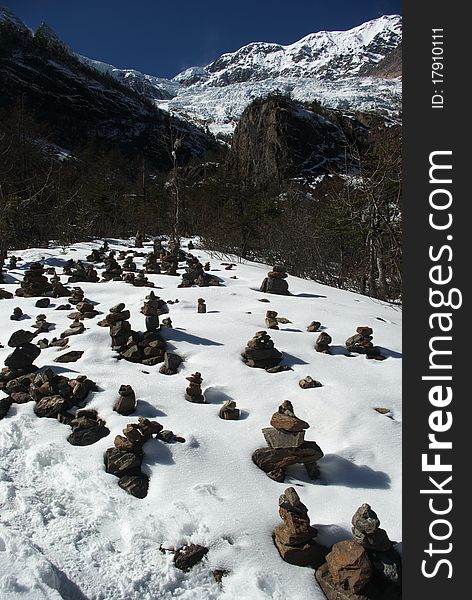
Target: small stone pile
{"points": [[4, 295], [138, 240], [287, 445], [12, 263], [87, 428], [171, 363], [41, 325], [129, 264], [85, 310], [261, 353], [53, 394], [201, 306], [195, 275], [275, 282], [271, 320], [151, 265], [229, 412], [308, 382], [125, 459], [364, 568], [20, 361], [17, 314], [81, 273], [295, 538], [126, 403], [361, 343], [77, 295], [75, 328], [323, 342], [194, 393], [138, 280], [153, 307], [59, 290], [97, 255], [35, 283], [112, 270]]}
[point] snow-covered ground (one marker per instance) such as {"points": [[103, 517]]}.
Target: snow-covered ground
{"points": [[68, 531]]}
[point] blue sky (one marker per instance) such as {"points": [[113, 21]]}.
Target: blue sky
{"points": [[165, 37]]}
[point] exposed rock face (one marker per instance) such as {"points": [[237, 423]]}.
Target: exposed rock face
{"points": [[261, 353], [287, 445], [294, 539], [389, 67], [277, 139], [275, 282]]}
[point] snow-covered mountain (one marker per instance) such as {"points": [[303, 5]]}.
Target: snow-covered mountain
{"points": [[324, 66]]}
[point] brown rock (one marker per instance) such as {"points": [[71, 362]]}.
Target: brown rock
{"points": [[288, 423], [349, 565]]}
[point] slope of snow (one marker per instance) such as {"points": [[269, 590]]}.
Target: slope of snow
{"points": [[68, 531]]}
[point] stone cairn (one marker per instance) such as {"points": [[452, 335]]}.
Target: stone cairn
{"points": [[138, 280], [81, 273], [96, 256], [361, 343], [271, 320], [275, 282], [146, 348], [151, 265], [77, 296], [75, 328], [112, 270], [17, 314], [167, 322], [308, 382], [85, 310], [12, 263], [129, 264], [138, 240], [125, 459], [287, 445], [35, 283], [194, 393], [41, 325], [196, 275], [152, 308], [20, 361], [229, 412], [295, 538], [171, 364], [170, 258], [54, 395], [126, 403], [87, 428], [364, 568], [59, 290], [157, 246], [201, 306], [323, 342], [261, 353]]}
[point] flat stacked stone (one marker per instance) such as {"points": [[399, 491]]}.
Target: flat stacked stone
{"points": [[153, 307], [96, 256], [287, 445], [195, 275], [59, 290], [138, 240], [129, 264], [295, 538], [77, 295], [171, 364], [112, 270], [260, 352], [87, 428], [75, 328], [81, 273], [85, 310], [194, 393], [138, 280], [151, 265], [34, 283], [120, 328], [361, 343], [275, 282], [41, 324], [271, 320]]}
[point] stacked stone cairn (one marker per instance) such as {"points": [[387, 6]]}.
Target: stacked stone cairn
{"points": [[261, 353], [120, 328], [196, 275], [126, 403], [20, 361], [361, 343], [201, 306], [167, 322], [295, 538], [85, 310], [287, 445], [271, 320], [34, 283], [364, 568], [229, 412], [275, 282], [194, 393], [152, 308], [129, 264], [75, 328], [81, 273], [171, 364], [96, 256], [157, 246], [41, 325], [323, 342], [54, 395], [87, 428], [17, 314], [59, 290], [113, 270], [77, 296], [12, 263], [125, 459], [151, 265], [138, 240]]}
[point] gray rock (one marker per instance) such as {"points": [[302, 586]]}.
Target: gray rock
{"points": [[283, 439]]}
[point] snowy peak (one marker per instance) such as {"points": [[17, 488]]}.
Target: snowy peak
{"points": [[7, 16], [325, 55]]}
